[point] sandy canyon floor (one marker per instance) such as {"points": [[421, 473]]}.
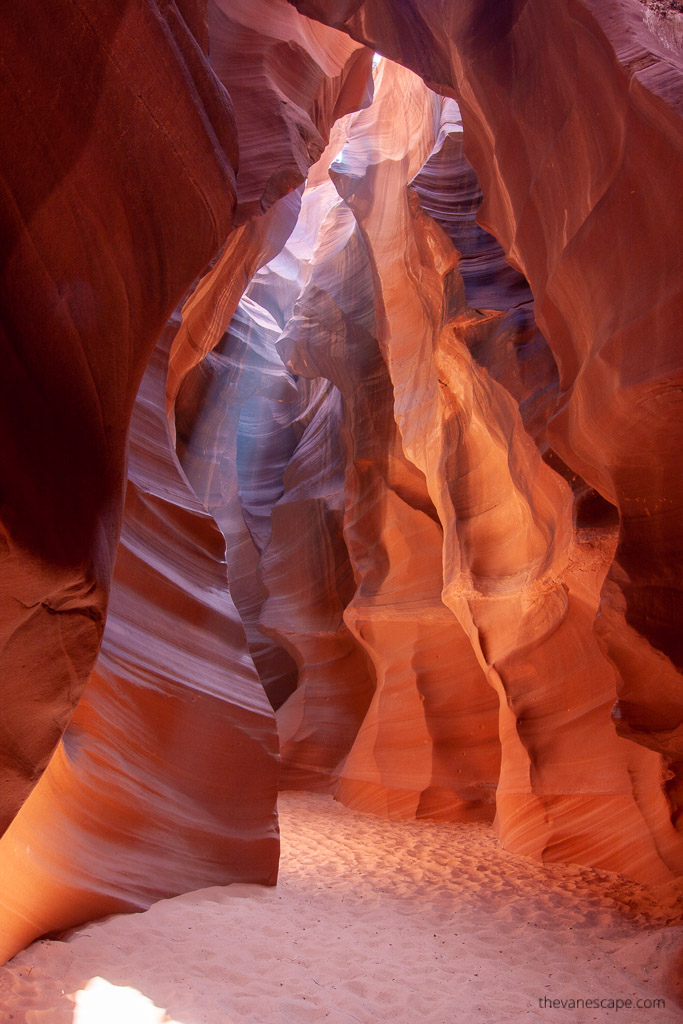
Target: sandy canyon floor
{"points": [[372, 920]]}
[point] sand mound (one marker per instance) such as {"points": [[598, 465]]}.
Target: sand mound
{"points": [[372, 920]]}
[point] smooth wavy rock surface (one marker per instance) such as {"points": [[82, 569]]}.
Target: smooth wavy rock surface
{"points": [[233, 415], [118, 187], [309, 580], [426, 744], [235, 438], [167, 775], [305, 563], [577, 171], [509, 586], [290, 74], [419, 490], [296, 77]]}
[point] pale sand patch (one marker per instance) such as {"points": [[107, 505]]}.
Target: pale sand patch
{"points": [[372, 920]]}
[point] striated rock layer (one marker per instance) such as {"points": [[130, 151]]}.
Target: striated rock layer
{"points": [[521, 586], [427, 744], [448, 513], [118, 187], [578, 172], [242, 384], [167, 776], [295, 77]]}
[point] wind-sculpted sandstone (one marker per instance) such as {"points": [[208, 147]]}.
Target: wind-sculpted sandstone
{"points": [[426, 744], [229, 408], [291, 78], [264, 452], [232, 414], [118, 187], [404, 471], [166, 780], [512, 583], [291, 74], [578, 172], [309, 581]]}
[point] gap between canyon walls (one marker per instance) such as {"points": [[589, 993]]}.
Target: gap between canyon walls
{"points": [[355, 420]]}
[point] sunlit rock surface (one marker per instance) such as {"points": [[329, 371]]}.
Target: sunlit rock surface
{"points": [[572, 114], [427, 743], [520, 588]]}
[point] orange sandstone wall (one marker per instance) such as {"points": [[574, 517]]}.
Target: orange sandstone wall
{"points": [[118, 187], [571, 119], [427, 742], [167, 775], [415, 500]]}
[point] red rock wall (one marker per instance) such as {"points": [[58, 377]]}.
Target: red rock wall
{"points": [[167, 776], [497, 546], [572, 119], [421, 515], [118, 187]]}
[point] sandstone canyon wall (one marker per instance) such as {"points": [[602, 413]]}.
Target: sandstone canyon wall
{"points": [[412, 501], [572, 113], [521, 581], [167, 775], [118, 189]]}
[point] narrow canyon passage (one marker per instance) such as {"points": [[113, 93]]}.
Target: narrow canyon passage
{"points": [[372, 920], [341, 510]]}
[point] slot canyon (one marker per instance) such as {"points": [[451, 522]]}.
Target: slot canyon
{"points": [[342, 437]]}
